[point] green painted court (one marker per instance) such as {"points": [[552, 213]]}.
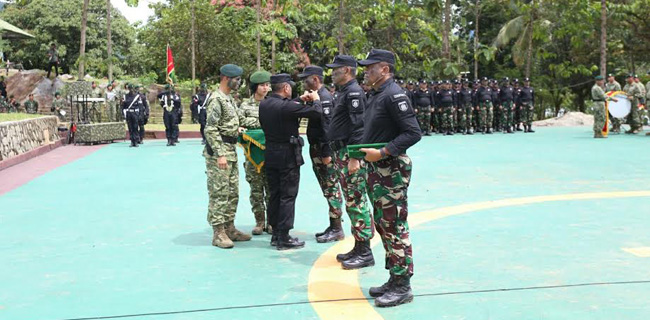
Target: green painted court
{"points": [[550, 225]]}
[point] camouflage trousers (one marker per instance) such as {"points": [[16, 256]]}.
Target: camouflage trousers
{"points": [[633, 119], [424, 119], [599, 117], [507, 115], [485, 115], [476, 117], [223, 191], [439, 119], [467, 116], [448, 118], [460, 118], [516, 115], [388, 181], [527, 113], [111, 110], [328, 179], [497, 114], [354, 190], [95, 113], [259, 196]]}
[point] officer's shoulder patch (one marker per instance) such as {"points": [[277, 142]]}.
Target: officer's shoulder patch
{"points": [[402, 106], [399, 95], [355, 103]]}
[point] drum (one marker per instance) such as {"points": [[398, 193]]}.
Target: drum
{"points": [[620, 108]]}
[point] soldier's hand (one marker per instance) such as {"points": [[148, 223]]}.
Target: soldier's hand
{"points": [[372, 155], [305, 97], [241, 130], [614, 99], [314, 96], [354, 165], [222, 163], [327, 160]]}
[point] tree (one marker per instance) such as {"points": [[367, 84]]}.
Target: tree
{"points": [[603, 37], [82, 42]]}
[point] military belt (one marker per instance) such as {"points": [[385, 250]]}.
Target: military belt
{"points": [[230, 140]]}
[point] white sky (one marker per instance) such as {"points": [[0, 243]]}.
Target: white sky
{"points": [[139, 13]]}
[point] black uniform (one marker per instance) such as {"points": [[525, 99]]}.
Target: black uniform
{"points": [[171, 103], [132, 106], [507, 98], [280, 119], [144, 116], [422, 103], [496, 107], [346, 126], [199, 101], [316, 128]]}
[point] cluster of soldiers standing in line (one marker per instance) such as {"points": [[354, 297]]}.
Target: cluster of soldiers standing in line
{"points": [[636, 93], [465, 107], [371, 184], [11, 105]]}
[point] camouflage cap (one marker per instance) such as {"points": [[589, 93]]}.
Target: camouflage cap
{"points": [[260, 77]]}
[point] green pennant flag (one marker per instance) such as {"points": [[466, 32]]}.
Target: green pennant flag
{"points": [[253, 141]]}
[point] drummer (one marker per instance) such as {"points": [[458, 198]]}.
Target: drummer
{"points": [[600, 117]]}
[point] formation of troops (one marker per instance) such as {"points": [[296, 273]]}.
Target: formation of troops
{"points": [[467, 107], [370, 184]]}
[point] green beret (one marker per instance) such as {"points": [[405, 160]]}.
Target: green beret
{"points": [[203, 86], [599, 78], [129, 86], [231, 71], [260, 77], [167, 86]]}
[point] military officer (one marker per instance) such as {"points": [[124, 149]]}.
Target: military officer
{"points": [[526, 102], [346, 129], [58, 104], [613, 85], [170, 101], [389, 118], [633, 93], [132, 107], [484, 96], [220, 154], [200, 102], [320, 153], [507, 97], [422, 107], [144, 115], [599, 98], [249, 118], [31, 106], [280, 120], [446, 100], [465, 103]]}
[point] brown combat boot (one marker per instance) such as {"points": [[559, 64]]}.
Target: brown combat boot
{"points": [[259, 224], [234, 234], [219, 237]]}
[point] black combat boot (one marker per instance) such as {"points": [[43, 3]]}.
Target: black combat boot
{"points": [[398, 293], [286, 242], [361, 259], [530, 128], [345, 256], [333, 233], [470, 131], [169, 142], [519, 127], [274, 238], [510, 129], [489, 130], [376, 292], [133, 144]]}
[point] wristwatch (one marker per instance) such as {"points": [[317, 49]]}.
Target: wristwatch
{"points": [[382, 153]]}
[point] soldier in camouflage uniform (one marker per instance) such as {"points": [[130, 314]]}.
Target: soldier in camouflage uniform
{"points": [[14, 106], [319, 150], [613, 85], [31, 106], [484, 102], [95, 107], [249, 118], [57, 107], [346, 129], [220, 155], [507, 97], [517, 113], [389, 118], [465, 103], [526, 102], [599, 98], [111, 97], [633, 93], [422, 106], [446, 99]]}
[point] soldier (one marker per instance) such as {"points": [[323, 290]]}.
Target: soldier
{"points": [[599, 97], [111, 97], [170, 101], [143, 119], [95, 107], [445, 100], [199, 102], [458, 114], [497, 110], [389, 118], [346, 129], [526, 101], [220, 154], [613, 85], [517, 114], [31, 106], [321, 154], [3, 88], [633, 93], [476, 114], [249, 118], [332, 89], [465, 108], [507, 97], [422, 107], [484, 96], [637, 81], [194, 109], [53, 61], [57, 106], [132, 107], [14, 106], [280, 120]]}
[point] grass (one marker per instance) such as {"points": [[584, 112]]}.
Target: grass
{"points": [[5, 117], [181, 127]]}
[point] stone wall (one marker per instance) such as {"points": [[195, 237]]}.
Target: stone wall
{"points": [[18, 137]]}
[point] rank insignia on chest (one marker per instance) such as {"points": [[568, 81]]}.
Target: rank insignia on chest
{"points": [[402, 106], [326, 110], [355, 103]]}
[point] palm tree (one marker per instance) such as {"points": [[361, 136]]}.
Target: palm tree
{"points": [[522, 28]]}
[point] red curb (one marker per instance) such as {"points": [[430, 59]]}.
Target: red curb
{"points": [[4, 164], [39, 161]]}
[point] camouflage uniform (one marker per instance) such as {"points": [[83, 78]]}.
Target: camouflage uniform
{"points": [[112, 99], [57, 106], [249, 118], [31, 106], [633, 118], [600, 119], [223, 184]]}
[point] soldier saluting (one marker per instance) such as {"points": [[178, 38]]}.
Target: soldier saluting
{"points": [[199, 102], [171, 103], [390, 118]]}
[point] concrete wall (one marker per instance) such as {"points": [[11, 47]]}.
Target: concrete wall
{"points": [[18, 137]]}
